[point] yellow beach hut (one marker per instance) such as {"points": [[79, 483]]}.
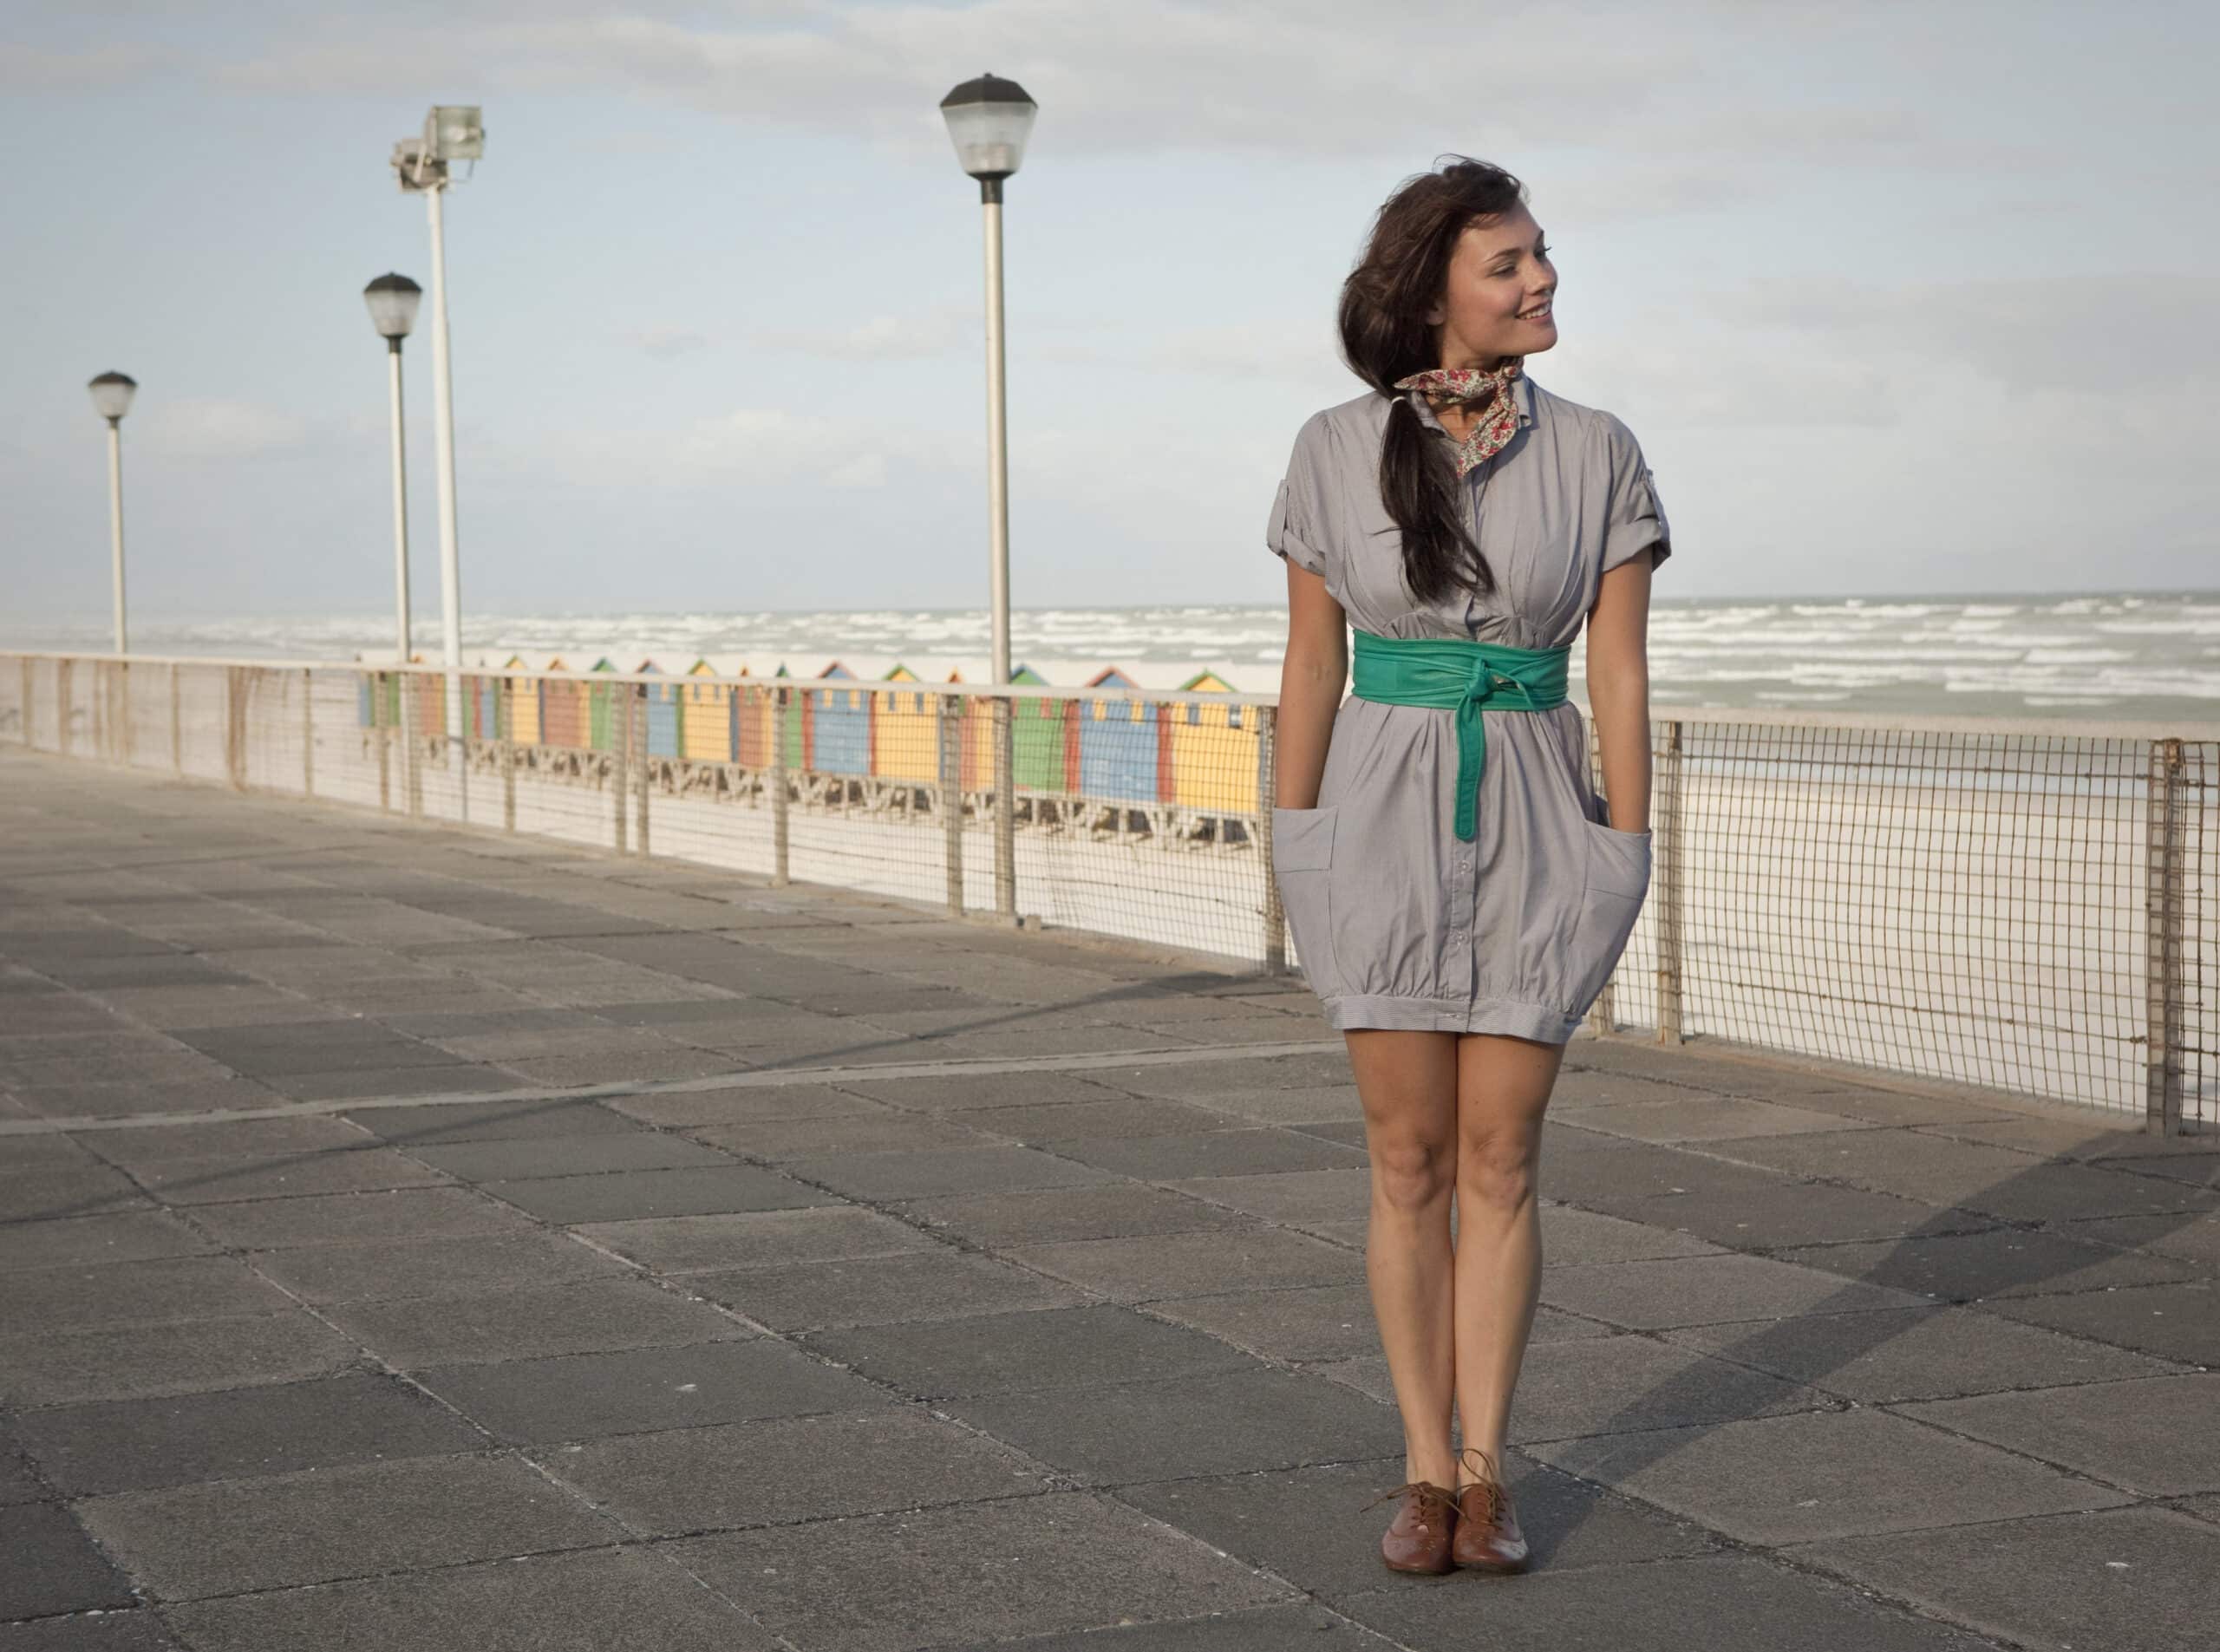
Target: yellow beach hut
{"points": [[1213, 750]]}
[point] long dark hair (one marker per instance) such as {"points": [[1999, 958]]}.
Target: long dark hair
{"points": [[1399, 277]]}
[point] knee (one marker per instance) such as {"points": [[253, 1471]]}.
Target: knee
{"points": [[1496, 1170], [1412, 1175]]}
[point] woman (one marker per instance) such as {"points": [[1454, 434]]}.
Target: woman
{"points": [[1456, 891]]}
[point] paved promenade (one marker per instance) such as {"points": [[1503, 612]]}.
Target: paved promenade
{"points": [[422, 1239]]}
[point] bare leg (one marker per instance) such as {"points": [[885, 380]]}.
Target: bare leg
{"points": [[1407, 1082], [1503, 1087]]}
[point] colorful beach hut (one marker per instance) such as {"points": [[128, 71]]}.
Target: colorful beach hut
{"points": [[1213, 750], [603, 732], [904, 730], [755, 713], [562, 709], [707, 729], [1044, 739], [664, 708], [522, 696], [840, 743], [1120, 757]]}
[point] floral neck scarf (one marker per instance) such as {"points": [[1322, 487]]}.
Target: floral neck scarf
{"points": [[1498, 418]]}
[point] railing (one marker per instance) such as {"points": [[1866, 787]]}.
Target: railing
{"points": [[2027, 904]]}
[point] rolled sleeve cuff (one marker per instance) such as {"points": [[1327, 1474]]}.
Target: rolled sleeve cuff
{"points": [[1280, 537]]}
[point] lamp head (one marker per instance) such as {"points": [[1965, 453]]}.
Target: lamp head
{"points": [[393, 300], [989, 119], [112, 395]]}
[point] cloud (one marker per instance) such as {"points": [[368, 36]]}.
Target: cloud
{"points": [[880, 339], [749, 446], [214, 427], [668, 344], [96, 68]]}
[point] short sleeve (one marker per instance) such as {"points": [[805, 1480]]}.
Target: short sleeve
{"points": [[1297, 529], [1636, 519]]}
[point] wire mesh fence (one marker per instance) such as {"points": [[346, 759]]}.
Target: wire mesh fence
{"points": [[2030, 904]]}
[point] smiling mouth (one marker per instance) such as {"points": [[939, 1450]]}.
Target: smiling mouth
{"points": [[1539, 312]]}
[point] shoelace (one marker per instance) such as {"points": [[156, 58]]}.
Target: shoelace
{"points": [[1427, 1493], [1498, 1501]]}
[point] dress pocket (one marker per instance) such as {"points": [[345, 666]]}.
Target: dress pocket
{"points": [[1303, 859], [1615, 883]]}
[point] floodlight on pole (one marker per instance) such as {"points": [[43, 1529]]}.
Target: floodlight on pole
{"points": [[423, 165], [988, 120], [112, 393]]}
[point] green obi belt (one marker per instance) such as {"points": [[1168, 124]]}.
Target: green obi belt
{"points": [[1464, 678]]}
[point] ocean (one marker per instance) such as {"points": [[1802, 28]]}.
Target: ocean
{"points": [[2136, 655]]}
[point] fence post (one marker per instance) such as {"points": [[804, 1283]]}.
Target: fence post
{"points": [[504, 729], [1005, 807], [123, 712], [177, 723], [949, 724], [235, 726], [1669, 842], [30, 679], [2166, 986], [308, 732], [1268, 724], [621, 761], [779, 787], [412, 756], [373, 683], [61, 697], [637, 712]]}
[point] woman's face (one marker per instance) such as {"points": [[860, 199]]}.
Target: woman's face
{"points": [[1497, 301]]}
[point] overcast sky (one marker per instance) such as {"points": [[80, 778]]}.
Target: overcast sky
{"points": [[1910, 297]]}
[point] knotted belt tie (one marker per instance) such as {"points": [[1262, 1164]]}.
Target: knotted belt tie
{"points": [[1451, 674]]}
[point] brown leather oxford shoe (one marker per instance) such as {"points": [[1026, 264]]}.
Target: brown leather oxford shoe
{"points": [[1487, 1537], [1419, 1537]]}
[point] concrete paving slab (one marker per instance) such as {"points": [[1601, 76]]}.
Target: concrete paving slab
{"points": [[2127, 1580], [1818, 1474], [365, 1082], [126, 1235], [378, 1216], [1698, 1117], [779, 1140], [1916, 1353], [1616, 1385], [138, 1444], [228, 1177], [350, 1520], [2154, 1435], [1110, 1210], [2170, 1322], [1053, 1348], [117, 1293], [888, 1582], [51, 1192], [1215, 1423], [640, 1391], [48, 1564], [147, 1145], [1779, 1214], [633, 1195], [2195, 1242], [1303, 1104], [1301, 1196], [1302, 1326], [1705, 1290], [695, 1109], [928, 1172], [522, 1159], [940, 1284], [603, 1600], [411, 1126], [132, 1100], [596, 1316], [678, 1244], [1271, 1629], [1572, 1238], [323, 1274], [1121, 1118], [1223, 1153], [1158, 1267], [958, 1092], [106, 1630], [2000, 1262], [54, 1368], [746, 1474], [1715, 1601], [1311, 1526]]}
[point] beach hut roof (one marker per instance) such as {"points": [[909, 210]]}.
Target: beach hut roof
{"points": [[1111, 677], [836, 670], [516, 663], [1209, 681], [1027, 674], [701, 668], [901, 673], [647, 667], [604, 664]]}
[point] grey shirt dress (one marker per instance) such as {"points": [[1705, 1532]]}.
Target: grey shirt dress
{"points": [[1395, 922]]}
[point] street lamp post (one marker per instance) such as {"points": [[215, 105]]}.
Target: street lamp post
{"points": [[989, 119], [393, 300], [111, 400], [451, 133]]}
